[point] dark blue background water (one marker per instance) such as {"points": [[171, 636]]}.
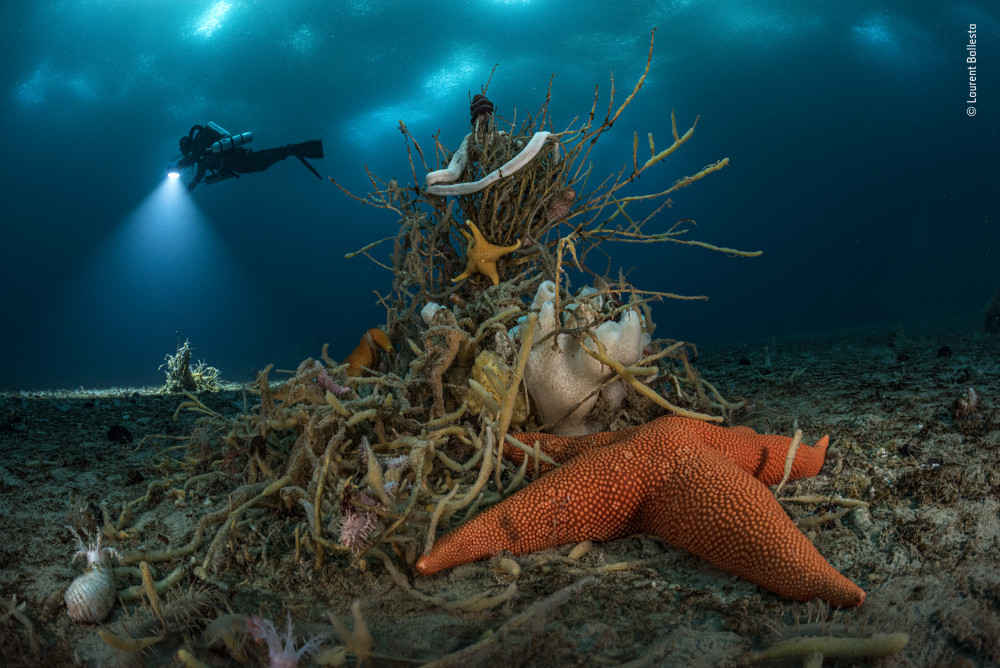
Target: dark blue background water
{"points": [[854, 165]]}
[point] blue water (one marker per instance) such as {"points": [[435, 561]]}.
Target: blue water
{"points": [[854, 164]]}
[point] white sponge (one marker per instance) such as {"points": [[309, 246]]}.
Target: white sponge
{"points": [[560, 374]]}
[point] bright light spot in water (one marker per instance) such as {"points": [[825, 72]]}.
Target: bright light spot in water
{"points": [[149, 276], [174, 175], [877, 32], [374, 126], [211, 20], [304, 40], [458, 73], [162, 250]]}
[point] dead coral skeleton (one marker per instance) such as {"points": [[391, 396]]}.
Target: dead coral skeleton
{"points": [[550, 204], [300, 448], [17, 611], [183, 377], [818, 636], [357, 641], [400, 445]]}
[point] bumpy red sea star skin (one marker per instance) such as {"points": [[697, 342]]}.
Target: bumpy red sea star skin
{"points": [[667, 479], [761, 455]]}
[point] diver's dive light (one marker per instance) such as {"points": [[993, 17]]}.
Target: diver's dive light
{"points": [[232, 142], [174, 168]]}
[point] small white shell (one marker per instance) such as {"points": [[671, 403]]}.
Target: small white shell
{"points": [[91, 596]]}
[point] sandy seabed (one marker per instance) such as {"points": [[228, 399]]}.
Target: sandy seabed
{"points": [[926, 549]]}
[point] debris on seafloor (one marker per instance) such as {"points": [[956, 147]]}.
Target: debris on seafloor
{"points": [[182, 376], [357, 464]]}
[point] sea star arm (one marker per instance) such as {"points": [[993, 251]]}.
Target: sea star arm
{"points": [[662, 479], [761, 455], [557, 509], [561, 448], [721, 513]]}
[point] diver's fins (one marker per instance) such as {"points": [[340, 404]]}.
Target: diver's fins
{"points": [[309, 149], [309, 167]]}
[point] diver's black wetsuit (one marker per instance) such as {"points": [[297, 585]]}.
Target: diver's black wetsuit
{"points": [[196, 150]]}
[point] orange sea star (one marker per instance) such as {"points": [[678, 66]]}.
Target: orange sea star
{"points": [[697, 486], [366, 354]]}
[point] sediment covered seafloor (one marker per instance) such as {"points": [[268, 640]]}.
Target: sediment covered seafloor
{"points": [[914, 425]]}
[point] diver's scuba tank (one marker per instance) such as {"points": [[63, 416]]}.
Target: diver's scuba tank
{"points": [[231, 142]]}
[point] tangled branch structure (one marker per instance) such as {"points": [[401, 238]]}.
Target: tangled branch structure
{"points": [[374, 472]]}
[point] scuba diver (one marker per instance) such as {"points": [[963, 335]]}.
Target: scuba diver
{"points": [[222, 155]]}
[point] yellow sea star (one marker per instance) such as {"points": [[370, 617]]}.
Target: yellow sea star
{"points": [[482, 255]]}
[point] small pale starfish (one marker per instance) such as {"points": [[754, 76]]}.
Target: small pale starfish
{"points": [[697, 486], [482, 256]]}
